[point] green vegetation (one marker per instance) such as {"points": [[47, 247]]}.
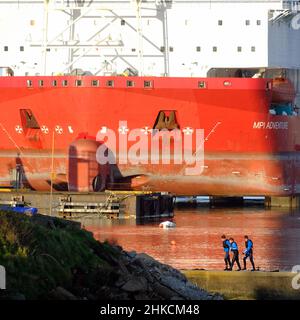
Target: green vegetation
{"points": [[41, 253]]}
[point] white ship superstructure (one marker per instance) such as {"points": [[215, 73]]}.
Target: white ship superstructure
{"points": [[160, 38]]}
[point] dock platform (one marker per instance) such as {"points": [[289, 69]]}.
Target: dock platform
{"points": [[111, 204]]}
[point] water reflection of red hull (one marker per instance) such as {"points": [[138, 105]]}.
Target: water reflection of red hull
{"points": [[248, 151], [197, 236]]}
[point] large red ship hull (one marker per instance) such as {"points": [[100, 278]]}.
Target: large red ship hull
{"points": [[247, 150]]}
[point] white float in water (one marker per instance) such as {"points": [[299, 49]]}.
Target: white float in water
{"points": [[167, 224]]}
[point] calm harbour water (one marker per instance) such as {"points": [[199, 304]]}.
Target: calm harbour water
{"points": [[275, 233]]}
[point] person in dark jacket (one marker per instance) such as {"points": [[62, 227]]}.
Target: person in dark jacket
{"points": [[235, 250], [248, 252], [226, 247]]}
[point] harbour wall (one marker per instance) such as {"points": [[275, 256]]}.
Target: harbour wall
{"points": [[246, 285]]}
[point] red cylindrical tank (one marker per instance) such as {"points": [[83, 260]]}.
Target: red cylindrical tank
{"points": [[83, 166]]}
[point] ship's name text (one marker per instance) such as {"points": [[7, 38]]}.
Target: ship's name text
{"points": [[271, 125]]}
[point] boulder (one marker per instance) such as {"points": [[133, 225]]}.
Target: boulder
{"points": [[60, 293], [141, 296], [131, 254], [136, 284], [163, 291]]}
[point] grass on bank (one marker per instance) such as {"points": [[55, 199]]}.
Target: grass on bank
{"points": [[40, 253]]}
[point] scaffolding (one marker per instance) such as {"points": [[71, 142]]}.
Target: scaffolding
{"points": [[98, 37]]}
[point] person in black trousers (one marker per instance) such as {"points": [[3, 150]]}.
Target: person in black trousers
{"points": [[226, 247], [248, 252], [235, 251]]}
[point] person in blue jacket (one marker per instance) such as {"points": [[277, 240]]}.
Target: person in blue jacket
{"points": [[226, 247], [235, 250], [248, 252]]}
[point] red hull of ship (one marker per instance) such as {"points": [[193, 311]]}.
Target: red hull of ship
{"points": [[247, 151]]}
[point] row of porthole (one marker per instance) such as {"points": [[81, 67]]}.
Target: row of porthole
{"points": [[5, 48], [93, 83], [226, 83], [214, 49], [163, 49], [110, 83], [220, 22]]}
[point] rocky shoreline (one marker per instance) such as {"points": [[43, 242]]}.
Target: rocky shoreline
{"points": [[143, 278], [140, 277], [53, 259]]}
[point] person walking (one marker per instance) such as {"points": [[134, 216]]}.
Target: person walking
{"points": [[226, 247], [235, 250], [248, 252]]}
